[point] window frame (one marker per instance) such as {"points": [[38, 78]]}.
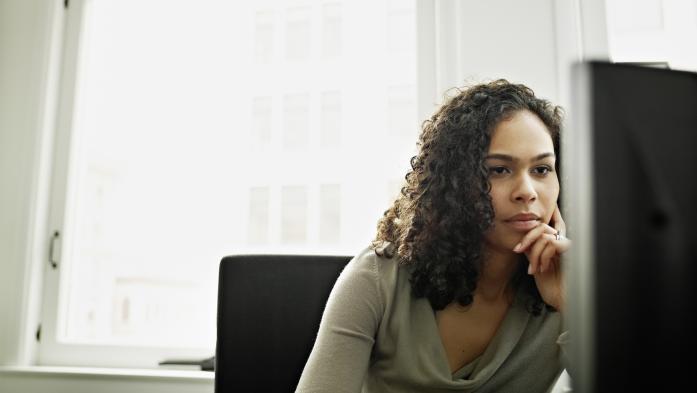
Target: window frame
{"points": [[49, 350]]}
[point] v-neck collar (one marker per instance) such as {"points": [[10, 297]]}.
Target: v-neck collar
{"points": [[479, 370]]}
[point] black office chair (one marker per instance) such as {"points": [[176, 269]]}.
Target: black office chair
{"points": [[269, 309]]}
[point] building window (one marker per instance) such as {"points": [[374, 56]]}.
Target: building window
{"points": [[231, 127]]}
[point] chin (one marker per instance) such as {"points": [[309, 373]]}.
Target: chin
{"points": [[502, 245]]}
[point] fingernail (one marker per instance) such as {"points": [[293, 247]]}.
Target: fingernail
{"points": [[517, 247], [530, 269]]}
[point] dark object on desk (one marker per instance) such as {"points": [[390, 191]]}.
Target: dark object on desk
{"points": [[207, 364], [269, 310], [632, 292]]}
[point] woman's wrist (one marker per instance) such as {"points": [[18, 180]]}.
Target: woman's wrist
{"points": [[559, 304]]}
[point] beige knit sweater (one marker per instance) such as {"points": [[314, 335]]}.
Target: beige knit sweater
{"points": [[376, 337]]}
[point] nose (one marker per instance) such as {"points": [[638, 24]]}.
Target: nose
{"points": [[524, 190]]}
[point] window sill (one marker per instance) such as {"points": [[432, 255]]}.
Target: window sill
{"points": [[42, 379], [110, 373]]}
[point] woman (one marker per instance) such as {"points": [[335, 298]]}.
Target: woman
{"points": [[462, 288]]}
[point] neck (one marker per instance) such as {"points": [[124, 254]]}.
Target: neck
{"points": [[497, 270]]}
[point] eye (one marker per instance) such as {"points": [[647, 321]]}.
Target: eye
{"points": [[498, 170], [543, 170]]}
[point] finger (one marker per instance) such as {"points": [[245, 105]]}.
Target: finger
{"points": [[532, 236], [547, 257], [562, 245], [553, 252], [534, 253], [559, 223]]}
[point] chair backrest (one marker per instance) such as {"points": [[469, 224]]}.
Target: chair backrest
{"points": [[269, 309]]}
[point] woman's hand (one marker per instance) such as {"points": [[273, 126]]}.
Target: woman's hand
{"points": [[543, 251]]}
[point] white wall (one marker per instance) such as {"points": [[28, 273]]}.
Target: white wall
{"points": [[494, 39], [655, 31], [26, 33], [532, 42]]}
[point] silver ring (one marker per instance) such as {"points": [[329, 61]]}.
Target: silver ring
{"points": [[557, 235]]}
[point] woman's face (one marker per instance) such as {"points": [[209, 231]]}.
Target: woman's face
{"points": [[524, 184]]}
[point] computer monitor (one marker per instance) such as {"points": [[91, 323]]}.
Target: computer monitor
{"points": [[630, 156]]}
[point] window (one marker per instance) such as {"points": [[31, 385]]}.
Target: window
{"points": [[331, 30], [330, 121], [296, 110], [330, 214], [294, 214], [264, 37], [259, 215], [191, 131], [261, 120], [298, 33]]}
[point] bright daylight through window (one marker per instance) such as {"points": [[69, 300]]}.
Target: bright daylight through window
{"points": [[209, 128]]}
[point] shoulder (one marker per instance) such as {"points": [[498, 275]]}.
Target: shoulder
{"points": [[375, 263], [370, 272]]}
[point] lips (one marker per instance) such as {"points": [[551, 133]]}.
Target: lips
{"points": [[523, 221], [524, 217], [523, 225]]}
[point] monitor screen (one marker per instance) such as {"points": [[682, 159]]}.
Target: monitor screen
{"points": [[630, 155]]}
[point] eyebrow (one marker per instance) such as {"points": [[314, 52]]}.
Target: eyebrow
{"points": [[506, 157]]}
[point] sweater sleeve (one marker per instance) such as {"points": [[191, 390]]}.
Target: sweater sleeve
{"points": [[563, 342], [340, 357]]}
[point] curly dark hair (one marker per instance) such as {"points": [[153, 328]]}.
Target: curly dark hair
{"points": [[437, 224]]}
